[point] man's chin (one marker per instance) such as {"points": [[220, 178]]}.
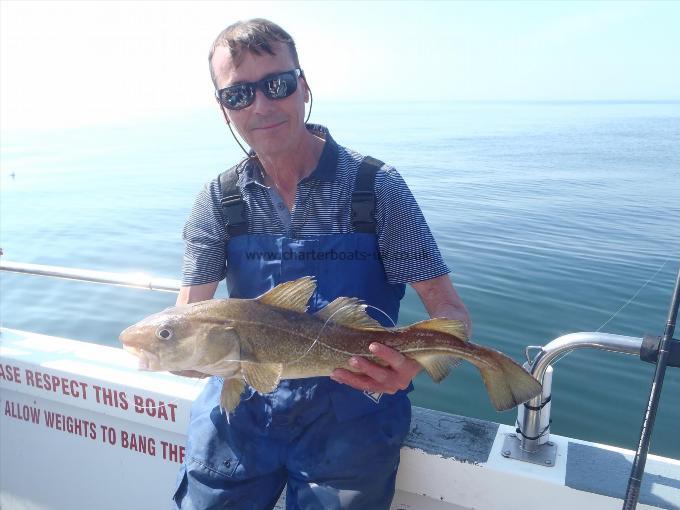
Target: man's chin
{"points": [[270, 146]]}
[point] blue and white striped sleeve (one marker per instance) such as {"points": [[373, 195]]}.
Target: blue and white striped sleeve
{"points": [[205, 239], [407, 247]]}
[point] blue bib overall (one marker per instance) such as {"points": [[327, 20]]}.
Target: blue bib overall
{"points": [[336, 447]]}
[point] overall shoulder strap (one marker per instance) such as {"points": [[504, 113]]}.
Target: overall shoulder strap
{"points": [[363, 198], [233, 207]]}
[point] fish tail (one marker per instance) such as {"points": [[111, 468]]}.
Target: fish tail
{"points": [[508, 384]]}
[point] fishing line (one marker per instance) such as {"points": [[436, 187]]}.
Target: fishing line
{"points": [[635, 295], [316, 340], [625, 304], [329, 318]]}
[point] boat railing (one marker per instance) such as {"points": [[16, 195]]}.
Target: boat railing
{"points": [[135, 280]]}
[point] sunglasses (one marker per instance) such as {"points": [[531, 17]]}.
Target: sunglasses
{"points": [[277, 86]]}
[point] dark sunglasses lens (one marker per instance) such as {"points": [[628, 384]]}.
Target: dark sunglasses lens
{"points": [[237, 97], [280, 86]]}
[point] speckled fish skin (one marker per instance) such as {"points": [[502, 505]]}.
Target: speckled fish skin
{"points": [[260, 341]]}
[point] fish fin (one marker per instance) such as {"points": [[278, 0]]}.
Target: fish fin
{"points": [[264, 377], [448, 326], [437, 365], [292, 295], [231, 394], [508, 384], [349, 312]]}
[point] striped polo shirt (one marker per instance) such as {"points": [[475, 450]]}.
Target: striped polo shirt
{"points": [[322, 206]]}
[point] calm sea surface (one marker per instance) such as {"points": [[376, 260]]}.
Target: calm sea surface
{"points": [[551, 216]]}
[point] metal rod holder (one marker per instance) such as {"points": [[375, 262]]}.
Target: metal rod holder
{"points": [[534, 412]]}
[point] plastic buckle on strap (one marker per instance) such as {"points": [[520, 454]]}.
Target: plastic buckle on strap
{"points": [[231, 200], [234, 212]]}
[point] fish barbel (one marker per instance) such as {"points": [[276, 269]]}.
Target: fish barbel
{"points": [[263, 340]]}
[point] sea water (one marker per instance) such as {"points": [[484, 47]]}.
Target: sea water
{"points": [[553, 218]]}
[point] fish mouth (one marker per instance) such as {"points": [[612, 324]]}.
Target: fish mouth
{"points": [[148, 361]]}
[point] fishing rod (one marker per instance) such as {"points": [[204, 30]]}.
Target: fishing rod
{"points": [[667, 342]]}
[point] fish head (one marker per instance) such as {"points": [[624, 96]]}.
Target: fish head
{"points": [[184, 337]]}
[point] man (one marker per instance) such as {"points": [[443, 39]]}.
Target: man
{"points": [[301, 205]]}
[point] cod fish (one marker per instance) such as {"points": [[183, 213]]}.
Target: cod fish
{"points": [[263, 340]]}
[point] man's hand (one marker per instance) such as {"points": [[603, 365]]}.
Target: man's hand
{"points": [[397, 375]]}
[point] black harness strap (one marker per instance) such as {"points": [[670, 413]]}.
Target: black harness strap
{"points": [[233, 208], [363, 198]]}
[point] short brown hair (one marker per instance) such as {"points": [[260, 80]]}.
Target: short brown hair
{"points": [[255, 36]]}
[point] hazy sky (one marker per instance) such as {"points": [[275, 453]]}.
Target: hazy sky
{"points": [[78, 63]]}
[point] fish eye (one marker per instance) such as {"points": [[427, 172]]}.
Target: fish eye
{"points": [[164, 333]]}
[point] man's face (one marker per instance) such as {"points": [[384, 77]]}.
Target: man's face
{"points": [[270, 126]]}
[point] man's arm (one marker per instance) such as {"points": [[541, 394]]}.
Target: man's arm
{"points": [[195, 293], [205, 241], [441, 300]]}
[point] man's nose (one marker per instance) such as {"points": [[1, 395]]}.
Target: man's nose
{"points": [[261, 103]]}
